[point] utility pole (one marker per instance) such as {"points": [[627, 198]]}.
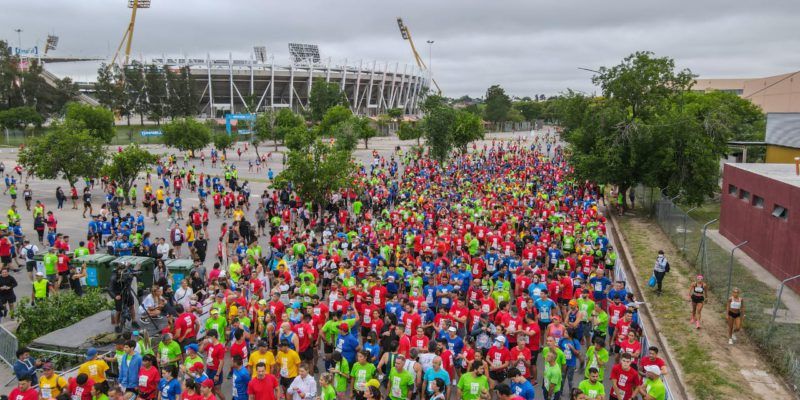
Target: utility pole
{"points": [[19, 37], [430, 59]]}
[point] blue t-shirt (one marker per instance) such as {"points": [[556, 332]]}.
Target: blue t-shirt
{"points": [[347, 344], [569, 355], [545, 308], [431, 374], [535, 288], [241, 377], [524, 390], [455, 344], [599, 286], [170, 390]]}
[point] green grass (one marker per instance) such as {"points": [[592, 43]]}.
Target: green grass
{"points": [[707, 212], [703, 377]]}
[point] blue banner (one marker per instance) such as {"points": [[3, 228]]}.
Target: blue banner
{"points": [[151, 133]]}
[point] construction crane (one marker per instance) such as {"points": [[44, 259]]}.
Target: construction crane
{"points": [[407, 36], [128, 36]]}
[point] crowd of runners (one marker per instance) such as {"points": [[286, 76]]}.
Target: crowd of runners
{"points": [[488, 277]]}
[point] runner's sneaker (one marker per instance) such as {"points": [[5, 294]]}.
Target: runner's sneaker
{"points": [[730, 341]]}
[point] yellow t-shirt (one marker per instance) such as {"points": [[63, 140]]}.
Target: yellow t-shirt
{"points": [[50, 388], [238, 215], [288, 363], [95, 369], [256, 357], [189, 233], [160, 195]]}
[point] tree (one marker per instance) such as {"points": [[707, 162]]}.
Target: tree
{"points": [[68, 151], [324, 95], [648, 128], [364, 129], [108, 89], [223, 141], [126, 166], [315, 169], [98, 121], [186, 134], [395, 114], [334, 116], [382, 122], [135, 91], [497, 104], [156, 86], [20, 117], [438, 127], [530, 110], [408, 131], [286, 121], [468, 128]]}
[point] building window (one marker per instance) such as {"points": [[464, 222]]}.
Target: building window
{"points": [[780, 212], [758, 201], [733, 190], [744, 195]]}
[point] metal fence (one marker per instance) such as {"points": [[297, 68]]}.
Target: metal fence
{"points": [[779, 341], [8, 346]]}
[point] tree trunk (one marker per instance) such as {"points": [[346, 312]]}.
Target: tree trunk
{"points": [[276, 144], [366, 143]]}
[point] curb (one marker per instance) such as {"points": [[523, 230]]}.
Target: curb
{"points": [[676, 378]]}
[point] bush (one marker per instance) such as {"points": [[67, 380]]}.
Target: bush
{"points": [[56, 312]]}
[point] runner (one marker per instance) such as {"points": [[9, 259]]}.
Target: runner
{"points": [[735, 314]]}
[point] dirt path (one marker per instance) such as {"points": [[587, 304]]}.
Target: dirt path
{"points": [[737, 371]]}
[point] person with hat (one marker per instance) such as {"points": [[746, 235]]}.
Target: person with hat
{"points": [[169, 351], [197, 373], [288, 363], [207, 390], [498, 358], [94, 368], [216, 322], [41, 288], [347, 343], [50, 383], [261, 355], [653, 386], [24, 391]]}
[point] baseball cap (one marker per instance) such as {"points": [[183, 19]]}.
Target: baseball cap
{"points": [[653, 369], [214, 311], [500, 339], [192, 346], [209, 383], [40, 273], [452, 329], [344, 326], [196, 367], [91, 352]]}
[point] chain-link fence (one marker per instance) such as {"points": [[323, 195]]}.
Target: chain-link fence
{"points": [[779, 341], [8, 346]]}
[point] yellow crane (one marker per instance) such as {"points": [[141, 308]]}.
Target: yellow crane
{"points": [[128, 35], [420, 62]]}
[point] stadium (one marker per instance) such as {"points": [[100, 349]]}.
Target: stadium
{"points": [[229, 85]]}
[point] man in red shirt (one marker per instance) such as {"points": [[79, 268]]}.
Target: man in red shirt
{"points": [[304, 331], [185, 326], [652, 359], [624, 379], [264, 386], [520, 357], [24, 391], [215, 357], [62, 266], [498, 358], [80, 387]]}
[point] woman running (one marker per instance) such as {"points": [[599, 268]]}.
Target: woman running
{"points": [[735, 310], [697, 294]]}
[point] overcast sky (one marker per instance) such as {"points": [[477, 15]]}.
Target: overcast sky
{"points": [[527, 46]]}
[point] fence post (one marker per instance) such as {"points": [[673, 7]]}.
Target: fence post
{"points": [[685, 216], [730, 266], [778, 300], [702, 250]]}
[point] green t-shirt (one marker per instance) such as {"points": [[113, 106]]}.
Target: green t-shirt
{"points": [[399, 383], [602, 321], [81, 251], [655, 388], [561, 359], [340, 382], [361, 374], [328, 393], [602, 355], [357, 207], [331, 328], [218, 324], [594, 391], [189, 361], [552, 375], [50, 261], [169, 352], [472, 386], [586, 307]]}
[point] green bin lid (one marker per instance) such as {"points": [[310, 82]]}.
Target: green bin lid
{"points": [[96, 258], [179, 263], [133, 260]]}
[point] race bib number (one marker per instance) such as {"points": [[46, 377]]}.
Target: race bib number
{"points": [[396, 389], [142, 380]]}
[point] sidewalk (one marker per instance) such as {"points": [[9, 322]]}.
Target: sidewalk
{"points": [[790, 312]]}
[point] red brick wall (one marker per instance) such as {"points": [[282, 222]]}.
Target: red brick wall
{"points": [[774, 243]]}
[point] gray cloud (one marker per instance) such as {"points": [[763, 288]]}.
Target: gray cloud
{"points": [[528, 47]]}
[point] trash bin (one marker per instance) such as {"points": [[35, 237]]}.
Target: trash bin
{"points": [[180, 269], [98, 268], [144, 264]]}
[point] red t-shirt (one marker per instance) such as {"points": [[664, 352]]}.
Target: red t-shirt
{"points": [[648, 361], [303, 331], [82, 392], [215, 354], [30, 394], [263, 389], [497, 356], [63, 263], [148, 382], [239, 349], [628, 380], [186, 323], [5, 247], [514, 357]]}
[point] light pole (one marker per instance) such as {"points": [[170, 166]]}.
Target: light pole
{"points": [[19, 37], [430, 59]]}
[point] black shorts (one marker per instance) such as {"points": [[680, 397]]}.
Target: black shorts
{"points": [[497, 376], [307, 354], [87, 204], [63, 273], [734, 315], [617, 349], [8, 299], [698, 299], [5, 259], [217, 206], [30, 265], [327, 348], [286, 382], [262, 224], [563, 301]]}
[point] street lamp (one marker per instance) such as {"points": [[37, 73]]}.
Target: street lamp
{"points": [[19, 37], [590, 70], [430, 59]]}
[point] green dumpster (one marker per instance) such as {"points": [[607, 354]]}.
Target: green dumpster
{"points": [[144, 264], [98, 268], [179, 269]]}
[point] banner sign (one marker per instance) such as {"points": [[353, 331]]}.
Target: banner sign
{"points": [[33, 51], [151, 133]]}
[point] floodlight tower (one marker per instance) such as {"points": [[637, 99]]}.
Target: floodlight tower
{"points": [[404, 32], [133, 5]]}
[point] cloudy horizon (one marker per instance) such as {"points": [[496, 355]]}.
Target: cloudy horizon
{"points": [[528, 47]]}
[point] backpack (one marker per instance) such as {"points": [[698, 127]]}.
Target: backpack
{"points": [[666, 267], [29, 252]]}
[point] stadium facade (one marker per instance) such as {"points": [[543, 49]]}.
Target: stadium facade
{"points": [[227, 85]]}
